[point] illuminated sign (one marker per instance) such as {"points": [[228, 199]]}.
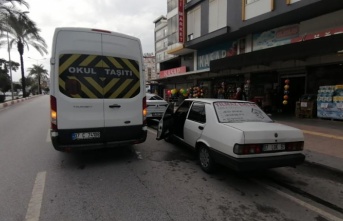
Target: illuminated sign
{"points": [[172, 72], [181, 21]]}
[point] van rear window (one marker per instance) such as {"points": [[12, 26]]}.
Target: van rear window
{"points": [[97, 76]]}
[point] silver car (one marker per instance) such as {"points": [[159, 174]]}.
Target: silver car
{"points": [[156, 106]]}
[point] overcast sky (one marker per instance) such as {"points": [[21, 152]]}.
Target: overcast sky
{"points": [[132, 17]]}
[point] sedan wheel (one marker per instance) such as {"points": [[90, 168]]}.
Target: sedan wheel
{"points": [[206, 162]]}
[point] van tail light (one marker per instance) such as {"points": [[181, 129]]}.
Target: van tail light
{"points": [[144, 112], [53, 112]]}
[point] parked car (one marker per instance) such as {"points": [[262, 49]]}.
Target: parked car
{"points": [[234, 133], [156, 106]]}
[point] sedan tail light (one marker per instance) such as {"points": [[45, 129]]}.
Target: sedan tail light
{"points": [[295, 146], [244, 149]]}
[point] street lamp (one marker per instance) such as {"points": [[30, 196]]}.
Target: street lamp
{"points": [[39, 86]]}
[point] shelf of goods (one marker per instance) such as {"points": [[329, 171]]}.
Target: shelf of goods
{"points": [[306, 109], [330, 102]]}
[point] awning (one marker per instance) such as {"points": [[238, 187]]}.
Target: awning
{"points": [[294, 51]]}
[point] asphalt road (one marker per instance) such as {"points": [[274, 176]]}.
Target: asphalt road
{"points": [[150, 181]]}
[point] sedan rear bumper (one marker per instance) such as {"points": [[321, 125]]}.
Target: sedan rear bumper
{"points": [[259, 163]]}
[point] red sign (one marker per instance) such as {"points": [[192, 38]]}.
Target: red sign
{"points": [[321, 34], [181, 21], [172, 72]]}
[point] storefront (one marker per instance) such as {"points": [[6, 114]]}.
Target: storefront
{"points": [[281, 75]]}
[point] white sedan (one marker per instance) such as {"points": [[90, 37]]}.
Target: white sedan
{"points": [[234, 133], [156, 106]]}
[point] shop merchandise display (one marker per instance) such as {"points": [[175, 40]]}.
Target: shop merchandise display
{"points": [[330, 102]]}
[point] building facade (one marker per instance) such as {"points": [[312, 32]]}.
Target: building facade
{"points": [[262, 46], [149, 67]]}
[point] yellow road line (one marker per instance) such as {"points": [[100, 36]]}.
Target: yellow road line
{"points": [[323, 135]]}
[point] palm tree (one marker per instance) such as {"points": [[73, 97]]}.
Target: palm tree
{"points": [[38, 72], [24, 32], [7, 7]]}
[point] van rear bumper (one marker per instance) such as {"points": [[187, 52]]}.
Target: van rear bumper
{"points": [[62, 141]]}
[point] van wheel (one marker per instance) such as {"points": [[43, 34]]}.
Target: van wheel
{"points": [[207, 163]]}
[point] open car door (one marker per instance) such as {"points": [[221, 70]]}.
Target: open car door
{"points": [[165, 122]]}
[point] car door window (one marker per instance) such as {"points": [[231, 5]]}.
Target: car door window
{"points": [[197, 113], [180, 118]]}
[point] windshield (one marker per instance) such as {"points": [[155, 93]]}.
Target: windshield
{"points": [[236, 112]]}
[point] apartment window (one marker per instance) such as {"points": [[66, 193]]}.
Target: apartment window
{"points": [[159, 45], [149, 73], [160, 34], [217, 14], [172, 30], [193, 23], [171, 4]]}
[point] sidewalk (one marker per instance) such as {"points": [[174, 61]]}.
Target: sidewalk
{"points": [[323, 139], [9, 103]]}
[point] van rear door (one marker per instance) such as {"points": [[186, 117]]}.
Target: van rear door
{"points": [[123, 87], [80, 104]]}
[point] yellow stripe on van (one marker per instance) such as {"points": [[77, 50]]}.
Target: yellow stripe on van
{"points": [[94, 84], [88, 60], [110, 85], [132, 90], [115, 62], [101, 64], [68, 63], [132, 68], [62, 84], [121, 88], [76, 96], [84, 89]]}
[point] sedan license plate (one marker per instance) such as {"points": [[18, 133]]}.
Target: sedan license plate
{"points": [[274, 147]]}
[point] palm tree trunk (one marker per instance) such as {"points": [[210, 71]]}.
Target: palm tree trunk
{"points": [[21, 52], [39, 88]]}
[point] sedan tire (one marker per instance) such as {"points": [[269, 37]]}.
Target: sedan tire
{"points": [[207, 163]]}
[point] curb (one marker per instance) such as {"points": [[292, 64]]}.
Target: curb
{"points": [[324, 167], [9, 103]]}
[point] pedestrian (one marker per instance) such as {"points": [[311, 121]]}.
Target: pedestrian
{"points": [[239, 94], [220, 94]]}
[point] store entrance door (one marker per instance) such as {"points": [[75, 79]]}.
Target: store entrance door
{"points": [[297, 86]]}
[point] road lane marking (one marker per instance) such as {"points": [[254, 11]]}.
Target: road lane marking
{"points": [[35, 204], [300, 202], [323, 135]]}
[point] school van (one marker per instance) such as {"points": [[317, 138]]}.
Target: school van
{"points": [[97, 90]]}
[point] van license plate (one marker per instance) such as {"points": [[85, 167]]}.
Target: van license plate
{"points": [[85, 136], [274, 147]]}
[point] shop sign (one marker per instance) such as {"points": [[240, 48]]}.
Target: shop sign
{"points": [[181, 21], [207, 55], [173, 72], [320, 34], [275, 37]]}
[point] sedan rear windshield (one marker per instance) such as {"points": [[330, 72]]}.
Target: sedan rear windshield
{"points": [[154, 97], [235, 112]]}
